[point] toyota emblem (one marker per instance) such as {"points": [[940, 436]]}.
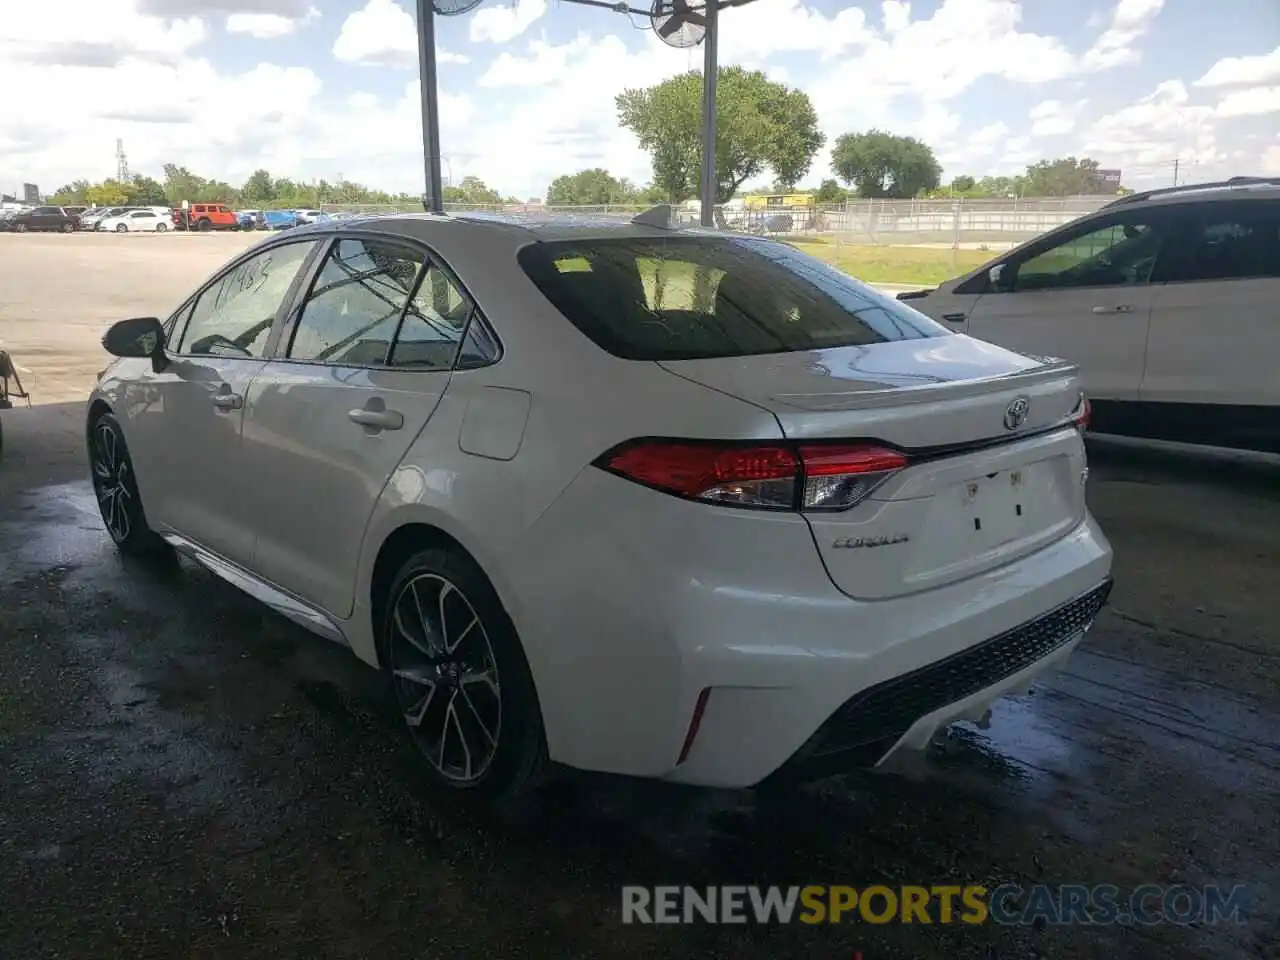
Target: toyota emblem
{"points": [[1016, 414]]}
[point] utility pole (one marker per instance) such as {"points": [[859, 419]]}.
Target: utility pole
{"points": [[1175, 171]]}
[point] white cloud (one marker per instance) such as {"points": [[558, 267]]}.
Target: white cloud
{"points": [[92, 33], [1243, 71], [538, 108], [1161, 127], [1129, 21], [503, 24], [986, 138], [1051, 118], [1253, 102], [383, 34], [268, 26]]}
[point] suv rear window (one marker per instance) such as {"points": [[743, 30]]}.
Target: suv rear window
{"points": [[687, 298]]}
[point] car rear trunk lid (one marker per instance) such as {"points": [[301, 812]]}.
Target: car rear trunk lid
{"points": [[995, 465]]}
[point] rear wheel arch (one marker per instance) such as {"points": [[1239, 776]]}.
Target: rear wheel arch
{"points": [[96, 410], [414, 536]]}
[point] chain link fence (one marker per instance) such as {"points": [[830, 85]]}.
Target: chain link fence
{"points": [[960, 222], [951, 235]]}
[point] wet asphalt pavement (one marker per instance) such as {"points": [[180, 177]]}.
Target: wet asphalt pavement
{"points": [[186, 774]]}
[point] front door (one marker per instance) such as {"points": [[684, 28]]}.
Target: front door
{"points": [[356, 378], [1085, 297], [194, 441]]}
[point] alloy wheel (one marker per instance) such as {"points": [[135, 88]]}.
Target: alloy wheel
{"points": [[446, 677], [112, 481]]}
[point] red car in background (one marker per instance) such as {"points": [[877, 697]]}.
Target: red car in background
{"points": [[205, 216]]}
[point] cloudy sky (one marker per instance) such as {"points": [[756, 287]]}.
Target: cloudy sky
{"points": [[322, 88]]}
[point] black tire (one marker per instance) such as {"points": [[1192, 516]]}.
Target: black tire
{"points": [[204, 226], [68, 227], [19, 228], [122, 228], [500, 715], [116, 489], [162, 228]]}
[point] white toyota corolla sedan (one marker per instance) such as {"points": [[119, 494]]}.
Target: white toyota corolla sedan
{"points": [[668, 503]]}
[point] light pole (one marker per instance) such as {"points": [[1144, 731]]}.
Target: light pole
{"points": [[433, 200], [710, 73]]}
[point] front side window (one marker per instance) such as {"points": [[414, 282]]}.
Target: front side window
{"points": [[233, 317], [356, 302], [1121, 253], [142, 214], [679, 298], [1235, 242]]}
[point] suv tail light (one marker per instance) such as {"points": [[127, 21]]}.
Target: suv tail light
{"points": [[773, 476]]}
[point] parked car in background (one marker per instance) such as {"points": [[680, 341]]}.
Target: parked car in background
{"points": [[205, 217], [1167, 301], [251, 220], [862, 527], [6, 219], [309, 216], [90, 219], [280, 219], [44, 218], [142, 221]]}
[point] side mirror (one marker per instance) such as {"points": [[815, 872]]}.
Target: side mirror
{"points": [[994, 275], [138, 337]]}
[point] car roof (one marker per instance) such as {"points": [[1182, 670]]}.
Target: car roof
{"points": [[530, 227], [1237, 188]]}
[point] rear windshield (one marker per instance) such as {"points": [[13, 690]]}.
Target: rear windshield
{"points": [[686, 298]]}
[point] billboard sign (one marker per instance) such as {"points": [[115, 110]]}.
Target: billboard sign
{"points": [[30, 193], [1110, 179]]}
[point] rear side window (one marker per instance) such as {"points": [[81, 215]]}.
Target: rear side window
{"points": [[684, 298], [1234, 242]]}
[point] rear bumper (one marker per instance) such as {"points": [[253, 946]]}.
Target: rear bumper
{"points": [[908, 710], [656, 600]]}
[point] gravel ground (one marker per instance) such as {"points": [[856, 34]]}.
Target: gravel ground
{"points": [[188, 775]]}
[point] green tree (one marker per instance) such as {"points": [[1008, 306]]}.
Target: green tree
{"points": [[879, 164], [760, 125], [1002, 187], [829, 191], [1067, 177], [259, 188], [181, 184], [108, 193], [146, 192], [473, 191], [71, 194], [590, 188], [963, 184]]}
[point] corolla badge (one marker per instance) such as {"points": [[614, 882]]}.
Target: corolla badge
{"points": [[1016, 413], [854, 543]]}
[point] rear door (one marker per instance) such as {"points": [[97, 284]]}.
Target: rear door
{"points": [[1215, 331], [1084, 295], [356, 377], [184, 423]]}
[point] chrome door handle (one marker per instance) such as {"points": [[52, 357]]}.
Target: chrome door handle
{"points": [[228, 401], [1120, 308], [377, 419]]}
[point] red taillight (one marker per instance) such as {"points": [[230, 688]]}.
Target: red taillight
{"points": [[774, 476]]}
